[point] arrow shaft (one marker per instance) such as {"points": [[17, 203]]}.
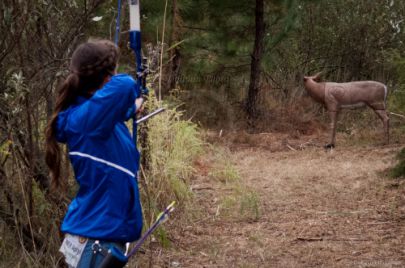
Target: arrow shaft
{"points": [[160, 220], [140, 120]]}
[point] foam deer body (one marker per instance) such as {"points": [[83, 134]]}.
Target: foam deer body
{"points": [[336, 96]]}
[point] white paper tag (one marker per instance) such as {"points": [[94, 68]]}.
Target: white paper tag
{"points": [[72, 247]]}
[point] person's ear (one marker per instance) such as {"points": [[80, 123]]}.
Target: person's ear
{"points": [[107, 78]]}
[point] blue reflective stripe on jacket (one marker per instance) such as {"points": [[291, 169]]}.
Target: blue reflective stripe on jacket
{"points": [[105, 161]]}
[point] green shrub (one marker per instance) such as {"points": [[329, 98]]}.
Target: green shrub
{"points": [[396, 62], [399, 169]]}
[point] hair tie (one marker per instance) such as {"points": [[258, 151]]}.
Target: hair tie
{"points": [[71, 71]]}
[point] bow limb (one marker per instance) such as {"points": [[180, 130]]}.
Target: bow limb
{"points": [[135, 44]]}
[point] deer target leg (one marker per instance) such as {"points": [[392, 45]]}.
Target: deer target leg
{"points": [[333, 115], [382, 114]]}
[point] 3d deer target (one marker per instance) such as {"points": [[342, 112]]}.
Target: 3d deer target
{"points": [[335, 96]]}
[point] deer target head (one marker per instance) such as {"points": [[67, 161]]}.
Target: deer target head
{"points": [[316, 77]]}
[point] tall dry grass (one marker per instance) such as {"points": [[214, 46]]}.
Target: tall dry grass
{"points": [[173, 144]]}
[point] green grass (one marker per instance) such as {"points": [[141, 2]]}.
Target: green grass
{"points": [[222, 169], [242, 203], [250, 205]]}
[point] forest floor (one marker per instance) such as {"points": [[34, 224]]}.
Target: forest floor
{"points": [[293, 205]]}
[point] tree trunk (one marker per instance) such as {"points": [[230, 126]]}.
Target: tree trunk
{"points": [[174, 53], [30, 155], [255, 68]]}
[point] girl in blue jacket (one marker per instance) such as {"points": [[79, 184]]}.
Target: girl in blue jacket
{"points": [[92, 105]]}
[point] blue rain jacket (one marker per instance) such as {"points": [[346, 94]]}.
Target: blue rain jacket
{"points": [[105, 161]]}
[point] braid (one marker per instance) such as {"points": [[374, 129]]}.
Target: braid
{"points": [[65, 97]]}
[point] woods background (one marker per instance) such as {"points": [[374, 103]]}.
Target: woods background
{"points": [[232, 65]]}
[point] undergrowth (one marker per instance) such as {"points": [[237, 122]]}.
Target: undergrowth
{"points": [[399, 169]]}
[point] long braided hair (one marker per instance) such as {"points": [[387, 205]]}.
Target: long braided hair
{"points": [[92, 62]]}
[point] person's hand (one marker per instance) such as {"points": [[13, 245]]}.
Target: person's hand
{"points": [[139, 105]]}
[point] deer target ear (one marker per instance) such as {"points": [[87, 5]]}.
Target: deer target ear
{"points": [[305, 78], [317, 77]]}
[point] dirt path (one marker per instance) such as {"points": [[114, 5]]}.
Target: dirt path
{"points": [[314, 209]]}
